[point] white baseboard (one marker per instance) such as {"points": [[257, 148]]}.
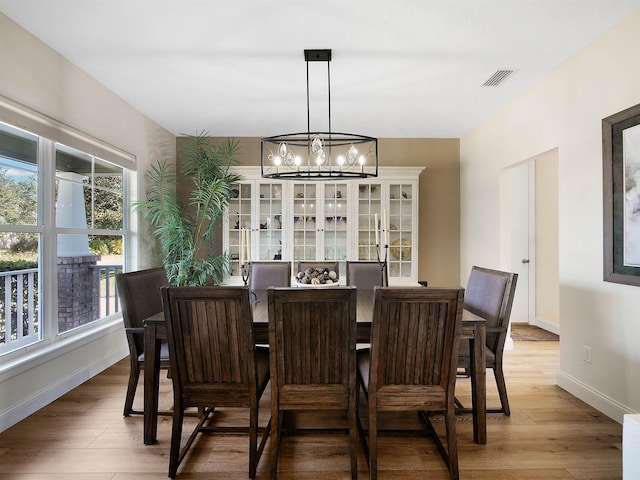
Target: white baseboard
{"points": [[601, 402], [549, 327], [32, 382], [19, 411], [508, 343]]}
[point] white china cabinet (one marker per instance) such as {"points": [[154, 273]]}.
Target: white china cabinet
{"points": [[325, 221]]}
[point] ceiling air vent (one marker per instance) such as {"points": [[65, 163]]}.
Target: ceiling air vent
{"points": [[497, 78]]}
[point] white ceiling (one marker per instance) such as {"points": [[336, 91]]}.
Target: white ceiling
{"points": [[401, 68]]}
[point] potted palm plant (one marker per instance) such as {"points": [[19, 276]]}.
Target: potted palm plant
{"points": [[186, 229]]}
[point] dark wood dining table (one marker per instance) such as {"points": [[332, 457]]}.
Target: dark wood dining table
{"points": [[473, 330]]}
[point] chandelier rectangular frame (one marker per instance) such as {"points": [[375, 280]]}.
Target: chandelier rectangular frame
{"points": [[319, 155]]}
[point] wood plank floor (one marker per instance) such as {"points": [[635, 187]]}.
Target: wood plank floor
{"points": [[550, 435]]}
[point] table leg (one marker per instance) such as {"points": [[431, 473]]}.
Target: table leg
{"points": [[479, 384], [151, 383]]}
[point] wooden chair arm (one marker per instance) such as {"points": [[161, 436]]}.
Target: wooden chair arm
{"points": [[496, 329], [138, 330]]}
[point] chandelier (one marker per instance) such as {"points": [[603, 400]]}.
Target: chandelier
{"points": [[319, 155]]}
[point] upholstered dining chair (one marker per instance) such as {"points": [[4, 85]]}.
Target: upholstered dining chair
{"points": [[489, 294], [411, 366], [214, 363], [140, 298], [366, 275], [312, 339], [269, 274]]}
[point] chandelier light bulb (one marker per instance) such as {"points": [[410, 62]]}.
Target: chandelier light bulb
{"points": [[283, 150], [340, 161], [351, 155]]}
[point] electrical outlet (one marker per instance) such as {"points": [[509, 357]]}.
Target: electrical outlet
{"points": [[586, 354]]}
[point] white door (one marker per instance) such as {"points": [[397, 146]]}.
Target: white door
{"points": [[522, 239]]}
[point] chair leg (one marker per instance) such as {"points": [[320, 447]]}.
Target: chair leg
{"points": [[502, 388], [176, 438], [276, 430], [253, 441], [134, 375], [353, 436], [452, 443], [373, 444]]}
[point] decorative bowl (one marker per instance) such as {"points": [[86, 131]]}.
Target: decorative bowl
{"points": [[400, 249]]}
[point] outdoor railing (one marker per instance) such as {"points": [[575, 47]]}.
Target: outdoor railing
{"points": [[19, 316], [109, 301], [19, 319]]}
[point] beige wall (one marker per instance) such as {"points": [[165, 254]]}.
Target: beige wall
{"points": [[35, 76], [547, 301], [565, 111], [36, 79], [439, 207]]}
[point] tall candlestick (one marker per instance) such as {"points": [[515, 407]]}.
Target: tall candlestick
{"points": [[376, 229], [249, 246], [385, 221], [242, 240]]}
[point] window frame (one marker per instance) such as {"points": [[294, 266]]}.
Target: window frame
{"points": [[48, 233]]}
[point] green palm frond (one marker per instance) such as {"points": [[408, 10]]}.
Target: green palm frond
{"points": [[186, 233]]}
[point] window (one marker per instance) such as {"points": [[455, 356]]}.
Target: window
{"points": [[19, 240], [89, 226], [67, 232]]}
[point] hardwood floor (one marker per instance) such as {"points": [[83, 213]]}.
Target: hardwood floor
{"points": [[550, 435]]}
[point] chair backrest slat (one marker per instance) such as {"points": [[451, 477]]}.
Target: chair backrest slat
{"points": [[415, 337], [210, 333], [313, 331]]}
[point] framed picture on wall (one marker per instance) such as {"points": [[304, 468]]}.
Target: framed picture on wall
{"points": [[621, 195]]}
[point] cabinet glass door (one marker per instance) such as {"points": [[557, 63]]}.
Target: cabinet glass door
{"points": [[269, 231], [335, 221], [239, 218], [400, 229], [369, 204], [304, 222]]}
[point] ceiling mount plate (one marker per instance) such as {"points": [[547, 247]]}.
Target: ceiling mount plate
{"points": [[317, 55]]}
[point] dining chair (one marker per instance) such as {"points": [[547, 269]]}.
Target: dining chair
{"points": [[411, 365], [269, 274], [214, 363], [489, 294], [366, 275], [140, 298], [312, 339]]}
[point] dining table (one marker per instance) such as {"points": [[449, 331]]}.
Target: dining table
{"points": [[473, 330]]}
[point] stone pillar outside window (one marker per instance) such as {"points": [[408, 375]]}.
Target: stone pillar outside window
{"points": [[78, 281]]}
